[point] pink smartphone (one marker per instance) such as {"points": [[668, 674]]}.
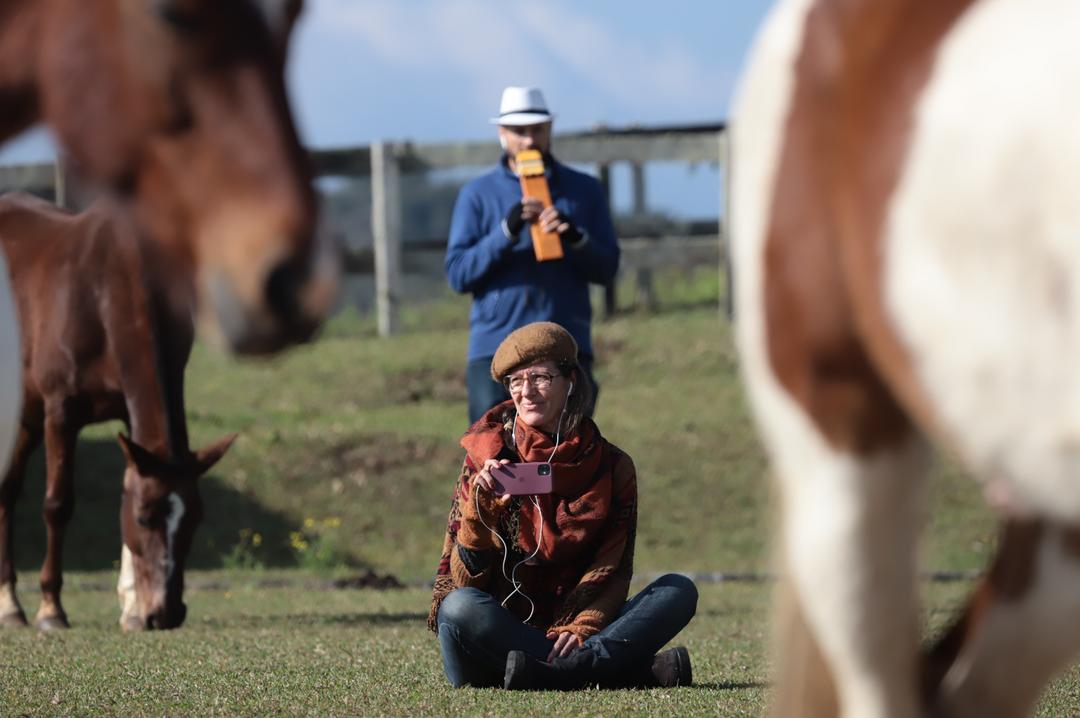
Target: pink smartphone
{"points": [[523, 479]]}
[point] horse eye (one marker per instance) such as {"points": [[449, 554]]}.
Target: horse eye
{"points": [[143, 520], [183, 20], [182, 119]]}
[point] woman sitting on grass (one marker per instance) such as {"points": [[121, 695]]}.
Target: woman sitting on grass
{"points": [[550, 612]]}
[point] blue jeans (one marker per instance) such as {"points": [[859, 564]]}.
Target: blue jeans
{"points": [[485, 392], [476, 633]]}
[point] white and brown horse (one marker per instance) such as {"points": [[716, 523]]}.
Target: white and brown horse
{"points": [[907, 250], [179, 108]]}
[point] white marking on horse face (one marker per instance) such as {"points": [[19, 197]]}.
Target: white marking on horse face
{"points": [[172, 524], [982, 252], [10, 368], [125, 586], [1019, 644]]}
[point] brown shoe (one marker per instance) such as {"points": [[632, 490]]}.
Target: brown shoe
{"points": [[525, 673], [671, 668], [667, 669]]}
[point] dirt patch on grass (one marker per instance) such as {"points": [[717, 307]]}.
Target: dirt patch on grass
{"points": [[607, 349], [426, 384], [369, 579], [364, 457], [323, 471]]}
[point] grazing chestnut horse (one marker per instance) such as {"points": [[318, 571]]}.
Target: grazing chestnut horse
{"points": [[907, 246], [102, 339], [179, 107]]}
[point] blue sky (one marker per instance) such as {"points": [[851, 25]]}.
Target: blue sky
{"points": [[430, 70]]}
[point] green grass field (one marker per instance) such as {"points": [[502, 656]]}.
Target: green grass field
{"points": [[346, 457]]}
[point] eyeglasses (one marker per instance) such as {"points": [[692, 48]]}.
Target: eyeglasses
{"points": [[538, 379], [527, 130]]}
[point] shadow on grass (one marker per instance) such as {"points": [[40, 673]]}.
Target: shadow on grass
{"points": [[677, 306], [732, 685], [93, 536], [318, 619], [733, 611]]}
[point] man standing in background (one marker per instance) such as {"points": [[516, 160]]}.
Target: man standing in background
{"points": [[490, 252]]}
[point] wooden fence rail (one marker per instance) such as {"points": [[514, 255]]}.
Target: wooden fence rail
{"points": [[385, 161]]}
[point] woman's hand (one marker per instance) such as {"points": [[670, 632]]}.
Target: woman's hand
{"points": [[565, 644], [483, 479]]}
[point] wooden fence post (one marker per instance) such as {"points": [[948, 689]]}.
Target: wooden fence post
{"points": [[60, 184], [386, 235], [643, 279], [723, 226], [70, 190], [637, 174], [609, 288]]}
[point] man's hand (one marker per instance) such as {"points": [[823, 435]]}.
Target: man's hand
{"points": [[531, 209], [565, 644], [514, 221], [522, 213], [551, 221]]}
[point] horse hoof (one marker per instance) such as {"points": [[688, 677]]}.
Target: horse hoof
{"points": [[52, 623], [15, 619]]}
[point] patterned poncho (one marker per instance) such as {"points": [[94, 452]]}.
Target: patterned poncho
{"points": [[580, 577]]}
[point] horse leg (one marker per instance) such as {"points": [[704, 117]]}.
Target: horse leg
{"points": [[1019, 628], [849, 465], [59, 504], [804, 687], [11, 613], [849, 527], [850, 468]]}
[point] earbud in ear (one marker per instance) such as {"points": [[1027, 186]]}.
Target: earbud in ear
{"points": [[571, 389]]}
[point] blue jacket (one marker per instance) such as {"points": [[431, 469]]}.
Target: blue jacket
{"points": [[509, 287]]}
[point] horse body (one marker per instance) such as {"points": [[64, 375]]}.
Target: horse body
{"points": [[905, 246], [981, 244], [102, 339]]}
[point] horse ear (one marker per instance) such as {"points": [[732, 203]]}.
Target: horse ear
{"points": [[146, 463], [168, 8], [207, 456], [280, 15]]}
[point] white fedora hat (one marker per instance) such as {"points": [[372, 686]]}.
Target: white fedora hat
{"points": [[522, 106]]}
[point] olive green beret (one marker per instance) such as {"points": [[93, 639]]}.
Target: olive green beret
{"points": [[532, 343]]}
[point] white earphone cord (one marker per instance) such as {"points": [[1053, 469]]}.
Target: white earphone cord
{"points": [[512, 578]]}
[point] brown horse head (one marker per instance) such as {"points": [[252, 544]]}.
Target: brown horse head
{"points": [[160, 510], [180, 107]]}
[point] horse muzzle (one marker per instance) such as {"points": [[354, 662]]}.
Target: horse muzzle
{"points": [[166, 618], [282, 306]]}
